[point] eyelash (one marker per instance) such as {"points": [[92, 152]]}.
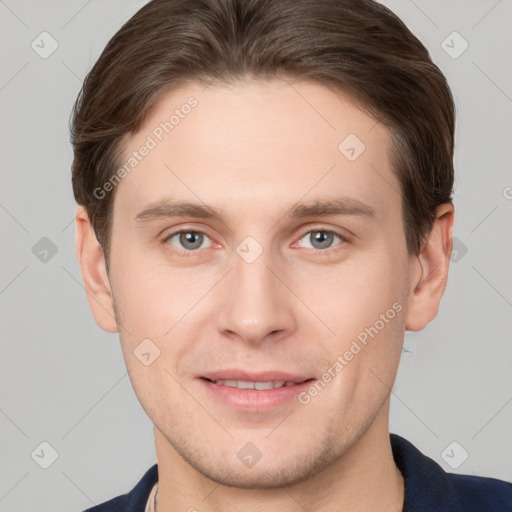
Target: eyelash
{"points": [[194, 252]]}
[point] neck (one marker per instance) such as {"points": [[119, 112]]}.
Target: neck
{"points": [[364, 478]]}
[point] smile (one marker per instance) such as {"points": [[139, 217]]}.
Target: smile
{"points": [[245, 384], [261, 394]]}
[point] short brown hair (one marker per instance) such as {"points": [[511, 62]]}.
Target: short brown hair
{"points": [[358, 46]]}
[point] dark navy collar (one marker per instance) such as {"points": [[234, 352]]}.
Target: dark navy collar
{"points": [[426, 484], [428, 488]]}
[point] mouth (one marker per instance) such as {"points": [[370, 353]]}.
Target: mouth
{"points": [[258, 385], [254, 392]]}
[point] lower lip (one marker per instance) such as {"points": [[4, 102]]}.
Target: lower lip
{"points": [[252, 400]]}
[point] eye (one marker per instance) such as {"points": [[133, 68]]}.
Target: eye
{"points": [[188, 239], [186, 242], [321, 239]]}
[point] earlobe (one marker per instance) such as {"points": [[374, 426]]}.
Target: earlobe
{"points": [[431, 271], [92, 265]]}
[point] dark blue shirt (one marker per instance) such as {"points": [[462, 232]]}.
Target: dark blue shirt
{"points": [[428, 488]]}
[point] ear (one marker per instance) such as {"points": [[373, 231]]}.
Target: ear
{"points": [[430, 271], [92, 264]]}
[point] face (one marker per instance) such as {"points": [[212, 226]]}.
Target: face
{"points": [[286, 267]]}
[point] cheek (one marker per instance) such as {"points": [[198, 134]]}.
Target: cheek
{"points": [[151, 299], [364, 304], [157, 307], [152, 385], [354, 294]]}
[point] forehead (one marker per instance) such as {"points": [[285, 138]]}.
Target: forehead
{"points": [[258, 144]]}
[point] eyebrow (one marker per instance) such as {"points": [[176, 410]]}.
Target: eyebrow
{"points": [[169, 208]]}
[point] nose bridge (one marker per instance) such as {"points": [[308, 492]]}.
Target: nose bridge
{"points": [[256, 302]]}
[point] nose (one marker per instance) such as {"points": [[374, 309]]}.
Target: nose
{"points": [[256, 304]]}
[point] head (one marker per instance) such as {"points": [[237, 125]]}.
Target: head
{"points": [[315, 141]]}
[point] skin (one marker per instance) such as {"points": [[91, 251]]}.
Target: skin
{"points": [[252, 150]]}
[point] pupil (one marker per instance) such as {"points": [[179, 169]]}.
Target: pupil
{"points": [[323, 238], [191, 237]]}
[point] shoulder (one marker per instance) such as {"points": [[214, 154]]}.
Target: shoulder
{"points": [[481, 493], [428, 487], [133, 501]]}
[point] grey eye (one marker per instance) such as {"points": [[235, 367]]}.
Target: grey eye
{"points": [[320, 239], [189, 240]]}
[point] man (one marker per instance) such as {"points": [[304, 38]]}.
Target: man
{"points": [[265, 207]]}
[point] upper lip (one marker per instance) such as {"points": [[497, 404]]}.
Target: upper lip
{"points": [[233, 374]]}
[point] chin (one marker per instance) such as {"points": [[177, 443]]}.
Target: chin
{"points": [[267, 473], [255, 479]]}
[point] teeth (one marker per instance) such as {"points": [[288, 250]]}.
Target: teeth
{"points": [[268, 385], [243, 384]]}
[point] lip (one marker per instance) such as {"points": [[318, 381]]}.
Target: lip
{"points": [[252, 400], [233, 374]]}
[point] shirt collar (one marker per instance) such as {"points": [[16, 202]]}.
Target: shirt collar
{"points": [[427, 486]]}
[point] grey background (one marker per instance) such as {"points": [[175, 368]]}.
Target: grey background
{"points": [[63, 380]]}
